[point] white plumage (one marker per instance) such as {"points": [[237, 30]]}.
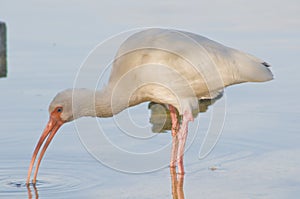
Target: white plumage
{"points": [[165, 66]]}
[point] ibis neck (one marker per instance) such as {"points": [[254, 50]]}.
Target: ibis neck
{"points": [[96, 103], [109, 103]]}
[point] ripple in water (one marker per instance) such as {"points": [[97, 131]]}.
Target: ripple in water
{"points": [[51, 186], [52, 182]]}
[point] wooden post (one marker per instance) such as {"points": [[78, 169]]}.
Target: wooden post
{"points": [[3, 62]]}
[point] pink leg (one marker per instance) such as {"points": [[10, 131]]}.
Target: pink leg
{"points": [[175, 126], [182, 134]]}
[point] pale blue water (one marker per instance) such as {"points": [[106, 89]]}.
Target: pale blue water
{"points": [[257, 155]]}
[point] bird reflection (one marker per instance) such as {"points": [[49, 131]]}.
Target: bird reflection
{"points": [[160, 114], [177, 184], [161, 123], [35, 191]]}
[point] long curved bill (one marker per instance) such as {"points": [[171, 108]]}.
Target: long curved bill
{"points": [[52, 127]]}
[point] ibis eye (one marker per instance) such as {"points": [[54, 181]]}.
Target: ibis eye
{"points": [[59, 110]]}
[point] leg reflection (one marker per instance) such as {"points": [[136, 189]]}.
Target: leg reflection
{"points": [[177, 184], [36, 194]]}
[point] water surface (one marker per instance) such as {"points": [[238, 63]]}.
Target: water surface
{"points": [[257, 155]]}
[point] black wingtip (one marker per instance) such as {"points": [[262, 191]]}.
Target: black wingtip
{"points": [[266, 64]]}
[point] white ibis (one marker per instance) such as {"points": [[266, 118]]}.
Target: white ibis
{"points": [[165, 66]]}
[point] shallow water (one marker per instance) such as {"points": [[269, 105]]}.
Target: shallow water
{"points": [[257, 155]]}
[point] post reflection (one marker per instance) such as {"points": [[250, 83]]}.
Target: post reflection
{"points": [[35, 191]]}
